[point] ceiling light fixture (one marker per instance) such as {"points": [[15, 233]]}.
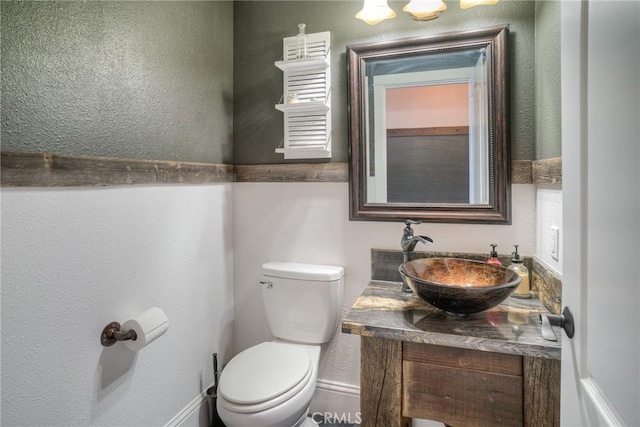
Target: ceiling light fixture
{"points": [[375, 11], [425, 10]]}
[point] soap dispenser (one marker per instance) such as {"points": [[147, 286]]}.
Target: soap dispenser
{"points": [[517, 265], [493, 257]]}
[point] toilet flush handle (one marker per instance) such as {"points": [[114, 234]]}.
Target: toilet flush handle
{"points": [[268, 285]]}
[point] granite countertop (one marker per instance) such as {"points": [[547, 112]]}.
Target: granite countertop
{"points": [[513, 327]]}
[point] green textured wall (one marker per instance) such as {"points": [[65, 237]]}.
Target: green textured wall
{"points": [[145, 80], [260, 26], [548, 106]]}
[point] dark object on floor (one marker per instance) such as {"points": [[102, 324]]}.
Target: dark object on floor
{"points": [[212, 396]]}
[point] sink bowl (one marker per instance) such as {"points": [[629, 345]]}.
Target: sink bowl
{"points": [[459, 286]]}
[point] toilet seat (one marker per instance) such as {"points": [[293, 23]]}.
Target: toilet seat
{"points": [[264, 376]]}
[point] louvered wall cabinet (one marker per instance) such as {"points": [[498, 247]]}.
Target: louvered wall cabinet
{"points": [[306, 102]]}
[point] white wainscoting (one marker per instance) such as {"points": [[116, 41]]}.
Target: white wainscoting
{"points": [[195, 414]]}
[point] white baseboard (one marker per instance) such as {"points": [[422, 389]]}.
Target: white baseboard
{"points": [[340, 400], [332, 399], [195, 414]]}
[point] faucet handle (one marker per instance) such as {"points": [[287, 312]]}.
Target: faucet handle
{"points": [[409, 222]]}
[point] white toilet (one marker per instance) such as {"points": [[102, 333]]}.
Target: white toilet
{"points": [[271, 384]]}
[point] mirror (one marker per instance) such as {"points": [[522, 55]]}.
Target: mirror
{"points": [[428, 130]]}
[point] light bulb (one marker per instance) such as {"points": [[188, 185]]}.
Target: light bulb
{"points": [[424, 10], [375, 11], [466, 4]]}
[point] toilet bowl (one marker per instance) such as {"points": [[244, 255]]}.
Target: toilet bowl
{"points": [[272, 383], [256, 391]]}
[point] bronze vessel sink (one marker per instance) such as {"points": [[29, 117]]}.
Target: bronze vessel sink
{"points": [[459, 286]]}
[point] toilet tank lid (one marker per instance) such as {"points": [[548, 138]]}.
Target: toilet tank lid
{"points": [[291, 270]]}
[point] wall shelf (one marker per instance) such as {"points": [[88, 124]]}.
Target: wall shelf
{"points": [[304, 106], [307, 121], [296, 65]]}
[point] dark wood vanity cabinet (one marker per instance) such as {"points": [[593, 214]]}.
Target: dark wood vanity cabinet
{"points": [[458, 387]]}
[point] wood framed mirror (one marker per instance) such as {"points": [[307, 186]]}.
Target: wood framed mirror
{"points": [[429, 128]]}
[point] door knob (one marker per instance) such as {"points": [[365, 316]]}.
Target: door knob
{"points": [[564, 320]]}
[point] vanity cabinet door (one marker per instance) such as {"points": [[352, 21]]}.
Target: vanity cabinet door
{"points": [[462, 387]]}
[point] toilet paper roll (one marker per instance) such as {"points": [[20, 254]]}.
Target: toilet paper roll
{"points": [[148, 326]]}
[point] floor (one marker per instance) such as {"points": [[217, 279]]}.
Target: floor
{"points": [[329, 422], [326, 421]]}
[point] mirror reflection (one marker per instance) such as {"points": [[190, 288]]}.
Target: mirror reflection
{"points": [[428, 124], [428, 128]]}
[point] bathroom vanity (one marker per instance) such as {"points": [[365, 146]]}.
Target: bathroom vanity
{"points": [[486, 369]]}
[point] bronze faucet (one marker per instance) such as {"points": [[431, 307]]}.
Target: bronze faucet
{"points": [[408, 243]]}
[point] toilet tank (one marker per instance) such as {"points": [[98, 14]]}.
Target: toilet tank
{"points": [[304, 302]]}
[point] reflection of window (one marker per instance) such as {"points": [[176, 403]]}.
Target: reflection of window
{"points": [[427, 106], [428, 141], [437, 156], [417, 102]]}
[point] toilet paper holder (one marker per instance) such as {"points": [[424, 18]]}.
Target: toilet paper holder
{"points": [[112, 334]]}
